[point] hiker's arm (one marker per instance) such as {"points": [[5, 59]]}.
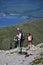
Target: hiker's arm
{"points": [[19, 36]]}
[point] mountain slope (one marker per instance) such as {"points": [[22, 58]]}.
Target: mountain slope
{"points": [[35, 27]]}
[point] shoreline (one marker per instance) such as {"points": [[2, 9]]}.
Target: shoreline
{"points": [[13, 20]]}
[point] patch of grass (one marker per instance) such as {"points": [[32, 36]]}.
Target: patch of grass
{"points": [[37, 61]]}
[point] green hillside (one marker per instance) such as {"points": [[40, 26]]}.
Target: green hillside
{"points": [[35, 27]]}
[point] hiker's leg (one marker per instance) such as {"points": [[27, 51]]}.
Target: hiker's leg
{"points": [[30, 44], [20, 45]]}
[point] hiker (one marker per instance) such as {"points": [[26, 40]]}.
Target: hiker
{"points": [[16, 41], [20, 38], [10, 46], [30, 38]]}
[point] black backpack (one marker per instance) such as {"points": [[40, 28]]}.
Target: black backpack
{"points": [[22, 37]]}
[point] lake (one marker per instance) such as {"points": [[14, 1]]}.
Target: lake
{"points": [[15, 11]]}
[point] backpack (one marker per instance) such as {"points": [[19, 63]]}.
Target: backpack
{"points": [[22, 37]]}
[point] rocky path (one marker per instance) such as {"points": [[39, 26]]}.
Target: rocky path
{"points": [[11, 57], [15, 59]]}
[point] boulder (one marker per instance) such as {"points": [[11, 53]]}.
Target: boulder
{"points": [[34, 50], [39, 45]]}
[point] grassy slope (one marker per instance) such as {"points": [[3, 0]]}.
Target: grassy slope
{"points": [[35, 27]]}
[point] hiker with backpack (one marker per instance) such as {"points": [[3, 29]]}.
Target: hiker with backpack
{"points": [[20, 37], [30, 38]]}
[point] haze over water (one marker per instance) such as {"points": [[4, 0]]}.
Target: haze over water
{"points": [[15, 11]]}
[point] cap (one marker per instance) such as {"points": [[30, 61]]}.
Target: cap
{"points": [[18, 28]]}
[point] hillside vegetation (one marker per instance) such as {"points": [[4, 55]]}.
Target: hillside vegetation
{"points": [[35, 27]]}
